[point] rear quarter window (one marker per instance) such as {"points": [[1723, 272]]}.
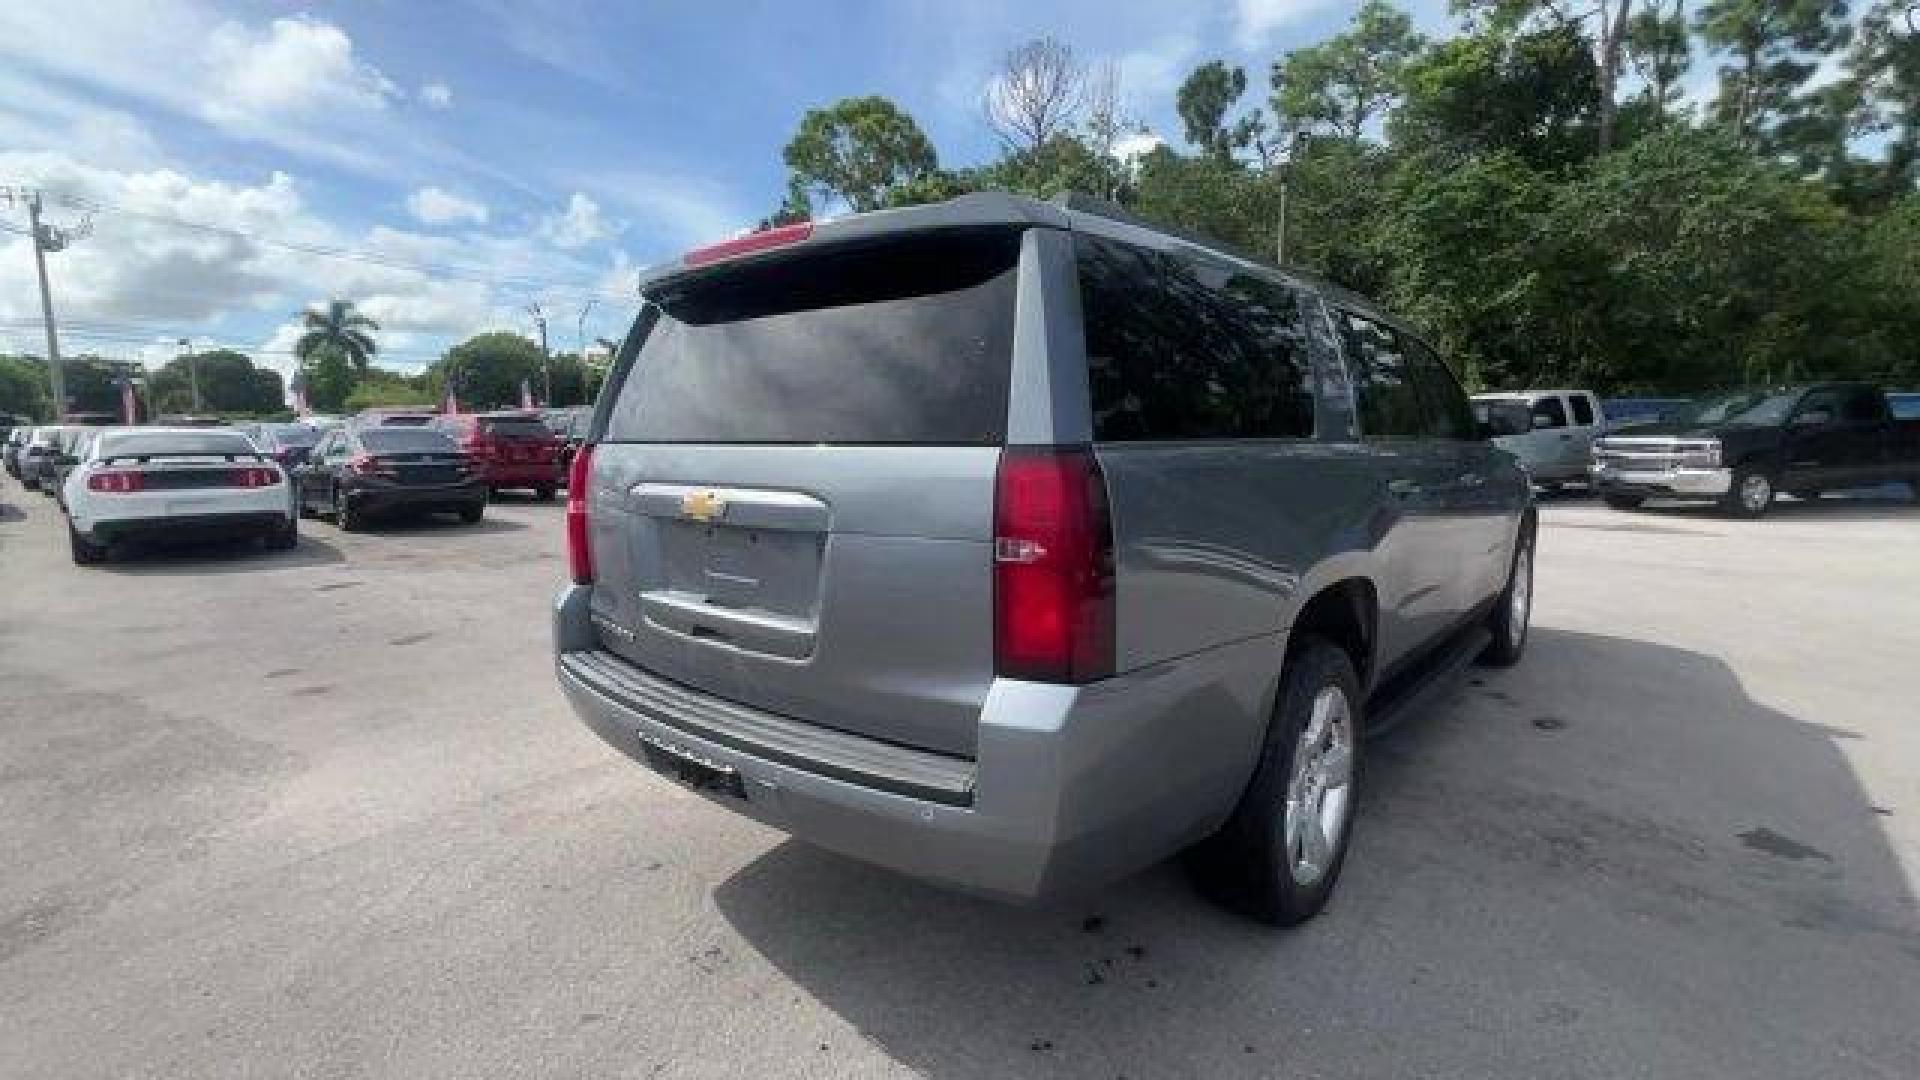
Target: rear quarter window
{"points": [[1180, 348], [903, 341]]}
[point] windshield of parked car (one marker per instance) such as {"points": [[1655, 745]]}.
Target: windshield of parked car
{"points": [[406, 441], [1744, 407], [208, 442], [293, 435]]}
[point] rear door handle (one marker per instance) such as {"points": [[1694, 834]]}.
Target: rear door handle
{"points": [[1472, 479]]}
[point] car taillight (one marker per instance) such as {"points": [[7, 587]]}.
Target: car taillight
{"points": [[579, 543], [1053, 603], [364, 464], [117, 482], [252, 477]]}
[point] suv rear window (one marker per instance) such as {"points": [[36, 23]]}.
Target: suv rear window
{"points": [[515, 428], [903, 341], [404, 440], [1180, 348]]}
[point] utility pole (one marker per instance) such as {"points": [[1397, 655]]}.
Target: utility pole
{"points": [[46, 238], [1286, 178], [546, 357], [193, 372], [580, 346]]}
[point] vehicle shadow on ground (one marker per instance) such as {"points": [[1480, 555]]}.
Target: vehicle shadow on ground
{"points": [[1519, 865], [1826, 508], [433, 523], [178, 557], [528, 498], [10, 512]]}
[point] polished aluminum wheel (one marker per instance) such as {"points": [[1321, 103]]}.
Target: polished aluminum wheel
{"points": [[1756, 492], [1521, 595], [1319, 793]]}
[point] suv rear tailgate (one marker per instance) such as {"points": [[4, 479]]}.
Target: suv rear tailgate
{"points": [[794, 498]]}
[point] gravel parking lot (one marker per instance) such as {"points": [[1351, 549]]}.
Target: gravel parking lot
{"points": [[324, 813]]}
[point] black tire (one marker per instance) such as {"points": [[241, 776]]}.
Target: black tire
{"points": [[1249, 864], [472, 512], [1621, 501], [85, 552], [1740, 501], [1509, 620], [345, 516], [544, 494], [285, 538]]}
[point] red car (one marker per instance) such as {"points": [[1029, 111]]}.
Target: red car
{"points": [[513, 449]]}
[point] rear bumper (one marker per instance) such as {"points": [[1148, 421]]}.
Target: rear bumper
{"points": [[372, 500], [530, 475], [248, 523], [1682, 483], [1070, 787]]}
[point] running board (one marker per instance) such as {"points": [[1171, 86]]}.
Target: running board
{"points": [[1410, 694]]}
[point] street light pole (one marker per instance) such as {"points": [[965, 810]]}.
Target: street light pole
{"points": [[546, 357], [45, 240], [193, 373]]}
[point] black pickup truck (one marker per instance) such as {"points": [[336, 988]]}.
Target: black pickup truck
{"points": [[1739, 449]]}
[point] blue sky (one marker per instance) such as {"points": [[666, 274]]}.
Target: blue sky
{"points": [[473, 159]]}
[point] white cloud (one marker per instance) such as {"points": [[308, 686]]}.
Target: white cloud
{"points": [[436, 95], [578, 225], [1136, 146], [437, 206], [1256, 20], [1150, 76], [295, 66]]}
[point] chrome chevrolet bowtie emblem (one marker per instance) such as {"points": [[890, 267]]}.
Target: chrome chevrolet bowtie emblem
{"points": [[703, 505]]}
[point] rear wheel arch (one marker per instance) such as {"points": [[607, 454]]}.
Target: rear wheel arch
{"points": [[1346, 613]]}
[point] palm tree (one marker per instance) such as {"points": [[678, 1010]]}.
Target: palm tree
{"points": [[342, 327]]}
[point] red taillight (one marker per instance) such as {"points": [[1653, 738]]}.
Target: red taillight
{"points": [[251, 477], [364, 464], [579, 543], [1053, 567], [760, 241], [117, 482]]}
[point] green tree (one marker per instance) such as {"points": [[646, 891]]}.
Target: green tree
{"points": [[486, 370], [1205, 99], [339, 325], [1346, 82], [854, 151], [1885, 64], [1530, 94], [330, 377], [1660, 50], [1767, 44], [23, 386], [229, 383], [380, 388]]}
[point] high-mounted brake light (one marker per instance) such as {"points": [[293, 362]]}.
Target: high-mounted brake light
{"points": [[579, 539], [759, 241], [1053, 587], [117, 481]]}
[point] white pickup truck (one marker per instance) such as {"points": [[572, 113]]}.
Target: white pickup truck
{"points": [[1550, 431]]}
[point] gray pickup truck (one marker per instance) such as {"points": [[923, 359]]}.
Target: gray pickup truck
{"points": [[1017, 546]]}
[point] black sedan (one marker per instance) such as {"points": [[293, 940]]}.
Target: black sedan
{"points": [[357, 473]]}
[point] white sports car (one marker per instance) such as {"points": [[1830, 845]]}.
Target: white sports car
{"points": [[150, 481]]}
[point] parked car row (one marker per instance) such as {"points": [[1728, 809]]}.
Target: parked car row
{"points": [[204, 477]]}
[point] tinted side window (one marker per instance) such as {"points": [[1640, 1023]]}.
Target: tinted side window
{"points": [[1582, 410], [1180, 348], [1449, 415], [1549, 412], [1390, 408], [1861, 406]]}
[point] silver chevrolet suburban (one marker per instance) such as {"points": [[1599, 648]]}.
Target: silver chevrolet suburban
{"points": [[1020, 545]]}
